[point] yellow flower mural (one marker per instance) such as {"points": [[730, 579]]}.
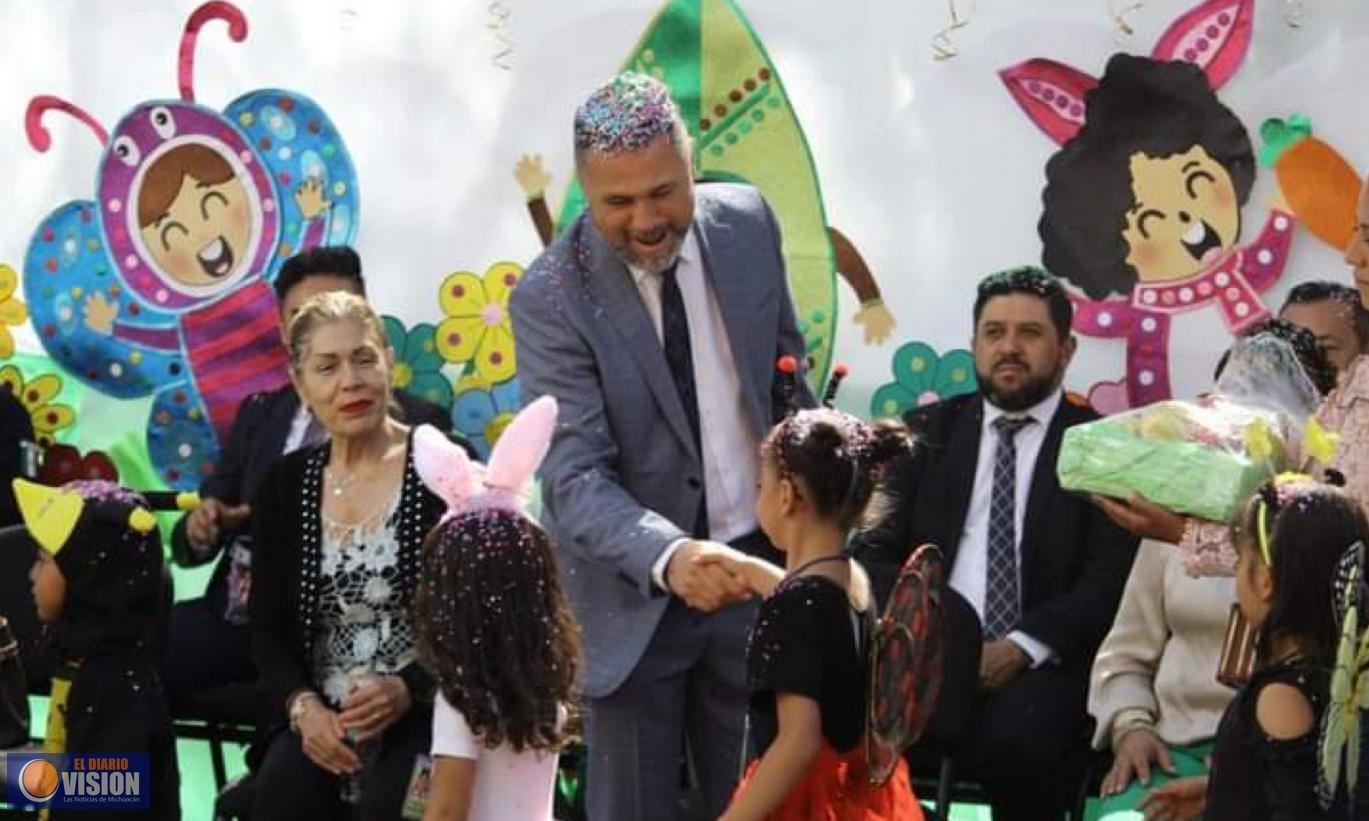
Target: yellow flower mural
{"points": [[36, 395], [477, 327], [12, 310]]}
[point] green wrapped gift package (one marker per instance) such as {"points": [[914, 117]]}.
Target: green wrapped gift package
{"points": [[1190, 458]]}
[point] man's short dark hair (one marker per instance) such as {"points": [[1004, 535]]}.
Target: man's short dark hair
{"points": [[324, 260], [1034, 282], [1322, 290]]}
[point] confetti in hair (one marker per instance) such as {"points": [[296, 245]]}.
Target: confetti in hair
{"points": [[857, 435], [1027, 279], [625, 114], [99, 490]]}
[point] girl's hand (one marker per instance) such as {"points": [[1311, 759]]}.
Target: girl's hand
{"points": [[1176, 801], [321, 736], [373, 705], [758, 575], [1138, 750]]}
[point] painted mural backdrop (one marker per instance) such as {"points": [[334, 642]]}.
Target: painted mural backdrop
{"points": [[160, 285], [1181, 189]]}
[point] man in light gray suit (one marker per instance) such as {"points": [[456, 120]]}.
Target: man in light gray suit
{"points": [[656, 320]]}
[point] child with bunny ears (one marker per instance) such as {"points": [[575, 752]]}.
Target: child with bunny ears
{"points": [[494, 628]]}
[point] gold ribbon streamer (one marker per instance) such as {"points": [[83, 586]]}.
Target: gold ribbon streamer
{"points": [[498, 25], [1119, 17], [943, 47], [1292, 13]]}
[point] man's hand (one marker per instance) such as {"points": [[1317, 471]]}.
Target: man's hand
{"points": [[704, 585], [1142, 517], [761, 577], [1000, 663], [208, 522]]}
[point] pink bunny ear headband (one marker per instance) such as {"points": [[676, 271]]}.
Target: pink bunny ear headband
{"points": [[465, 484]]}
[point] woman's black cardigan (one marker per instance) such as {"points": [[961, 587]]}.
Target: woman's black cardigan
{"points": [[286, 556]]}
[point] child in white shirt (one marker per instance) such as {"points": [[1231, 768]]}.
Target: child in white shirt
{"points": [[495, 630]]}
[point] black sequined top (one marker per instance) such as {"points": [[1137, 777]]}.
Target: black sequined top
{"points": [[287, 557], [808, 641], [1256, 776]]}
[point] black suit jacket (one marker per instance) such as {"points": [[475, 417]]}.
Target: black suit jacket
{"points": [[255, 442], [1075, 561], [15, 429]]}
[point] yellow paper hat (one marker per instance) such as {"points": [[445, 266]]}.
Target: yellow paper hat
{"points": [[51, 514]]}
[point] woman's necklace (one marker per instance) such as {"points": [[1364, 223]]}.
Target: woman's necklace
{"points": [[340, 483]]}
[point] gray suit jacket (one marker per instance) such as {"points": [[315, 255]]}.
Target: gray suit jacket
{"points": [[623, 478]]}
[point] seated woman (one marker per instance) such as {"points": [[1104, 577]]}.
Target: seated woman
{"points": [[339, 529], [1153, 690]]}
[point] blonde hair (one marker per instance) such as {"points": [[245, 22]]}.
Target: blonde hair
{"points": [[326, 308]]}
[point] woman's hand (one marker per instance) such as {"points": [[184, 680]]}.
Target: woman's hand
{"points": [[373, 705], [1138, 750], [1142, 517], [322, 738], [1176, 801]]}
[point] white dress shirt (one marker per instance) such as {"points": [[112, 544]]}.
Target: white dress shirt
{"points": [[731, 448], [299, 428], [969, 575]]}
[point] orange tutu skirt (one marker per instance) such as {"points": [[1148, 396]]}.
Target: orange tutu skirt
{"points": [[837, 789]]}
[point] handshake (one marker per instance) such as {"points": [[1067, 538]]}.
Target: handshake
{"points": [[708, 575]]}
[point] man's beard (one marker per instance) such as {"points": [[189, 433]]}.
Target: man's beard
{"points": [[657, 263], [1031, 392]]}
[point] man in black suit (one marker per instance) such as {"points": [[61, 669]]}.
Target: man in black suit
{"points": [[209, 644], [1043, 568]]}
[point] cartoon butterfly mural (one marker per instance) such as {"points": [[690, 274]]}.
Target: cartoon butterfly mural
{"points": [[161, 284], [1340, 724]]}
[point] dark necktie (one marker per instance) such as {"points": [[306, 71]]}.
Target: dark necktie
{"points": [[1002, 601], [679, 356]]}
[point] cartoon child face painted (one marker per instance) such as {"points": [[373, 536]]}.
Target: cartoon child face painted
{"points": [[195, 217], [1150, 189], [1185, 218]]}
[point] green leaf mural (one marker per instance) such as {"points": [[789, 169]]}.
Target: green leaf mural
{"points": [[744, 130]]}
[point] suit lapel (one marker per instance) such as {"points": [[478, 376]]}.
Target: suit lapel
{"points": [[281, 416], [1043, 487], [748, 342], [961, 460], [611, 286]]}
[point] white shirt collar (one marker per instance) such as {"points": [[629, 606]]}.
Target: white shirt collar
{"points": [[689, 252], [1042, 412]]}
